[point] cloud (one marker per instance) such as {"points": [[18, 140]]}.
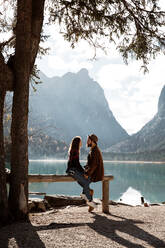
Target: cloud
{"points": [[63, 58], [132, 96], [118, 76]]}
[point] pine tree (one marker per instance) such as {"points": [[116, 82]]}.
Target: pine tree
{"points": [[136, 26]]}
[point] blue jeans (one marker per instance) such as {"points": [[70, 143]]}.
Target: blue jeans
{"points": [[82, 181]]}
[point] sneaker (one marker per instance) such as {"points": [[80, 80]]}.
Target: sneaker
{"points": [[91, 204], [90, 209], [83, 196]]}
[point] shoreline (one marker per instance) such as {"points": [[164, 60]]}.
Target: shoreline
{"points": [[105, 160], [135, 162], [67, 200]]}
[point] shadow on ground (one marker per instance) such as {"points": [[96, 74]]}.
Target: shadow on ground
{"points": [[109, 227], [25, 235]]}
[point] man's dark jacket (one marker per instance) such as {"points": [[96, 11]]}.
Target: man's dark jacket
{"points": [[94, 167]]}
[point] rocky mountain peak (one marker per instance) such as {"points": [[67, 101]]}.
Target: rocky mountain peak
{"points": [[161, 103], [75, 104], [151, 137], [83, 72]]}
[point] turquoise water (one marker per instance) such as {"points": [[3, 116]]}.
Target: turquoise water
{"points": [[131, 180]]}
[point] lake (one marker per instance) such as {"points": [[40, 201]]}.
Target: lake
{"points": [[131, 180]]}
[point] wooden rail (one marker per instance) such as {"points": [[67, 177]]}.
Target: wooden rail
{"points": [[35, 178]]}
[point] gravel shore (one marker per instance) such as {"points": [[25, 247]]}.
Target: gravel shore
{"points": [[125, 226]]}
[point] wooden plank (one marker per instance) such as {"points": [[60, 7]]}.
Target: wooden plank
{"points": [[108, 177], [50, 178], [105, 195], [37, 193], [57, 178]]}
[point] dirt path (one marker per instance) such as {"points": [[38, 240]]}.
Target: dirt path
{"points": [[131, 227]]}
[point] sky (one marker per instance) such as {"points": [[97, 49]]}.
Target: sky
{"points": [[131, 95]]}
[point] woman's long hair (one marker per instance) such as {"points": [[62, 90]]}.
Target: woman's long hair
{"points": [[75, 145]]}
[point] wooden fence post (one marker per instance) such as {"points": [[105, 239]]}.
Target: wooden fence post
{"points": [[105, 196]]}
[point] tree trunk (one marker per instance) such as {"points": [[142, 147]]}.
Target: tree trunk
{"points": [[18, 195], [6, 76], [37, 23], [3, 189], [29, 24]]}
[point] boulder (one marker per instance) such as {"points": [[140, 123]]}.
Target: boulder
{"points": [[31, 205], [61, 200], [38, 205], [41, 206]]}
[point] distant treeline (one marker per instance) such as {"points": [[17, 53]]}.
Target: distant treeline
{"points": [[46, 147], [138, 156]]}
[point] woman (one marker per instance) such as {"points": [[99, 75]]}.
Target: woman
{"points": [[75, 169], [74, 151]]}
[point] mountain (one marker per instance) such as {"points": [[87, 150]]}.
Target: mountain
{"points": [[71, 105], [150, 138]]}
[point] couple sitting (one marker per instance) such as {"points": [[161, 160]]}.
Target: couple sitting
{"points": [[94, 169]]}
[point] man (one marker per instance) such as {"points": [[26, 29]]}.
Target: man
{"points": [[94, 169]]}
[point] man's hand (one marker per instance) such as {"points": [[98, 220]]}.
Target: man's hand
{"points": [[86, 176]]}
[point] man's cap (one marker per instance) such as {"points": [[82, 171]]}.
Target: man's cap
{"points": [[93, 137]]}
